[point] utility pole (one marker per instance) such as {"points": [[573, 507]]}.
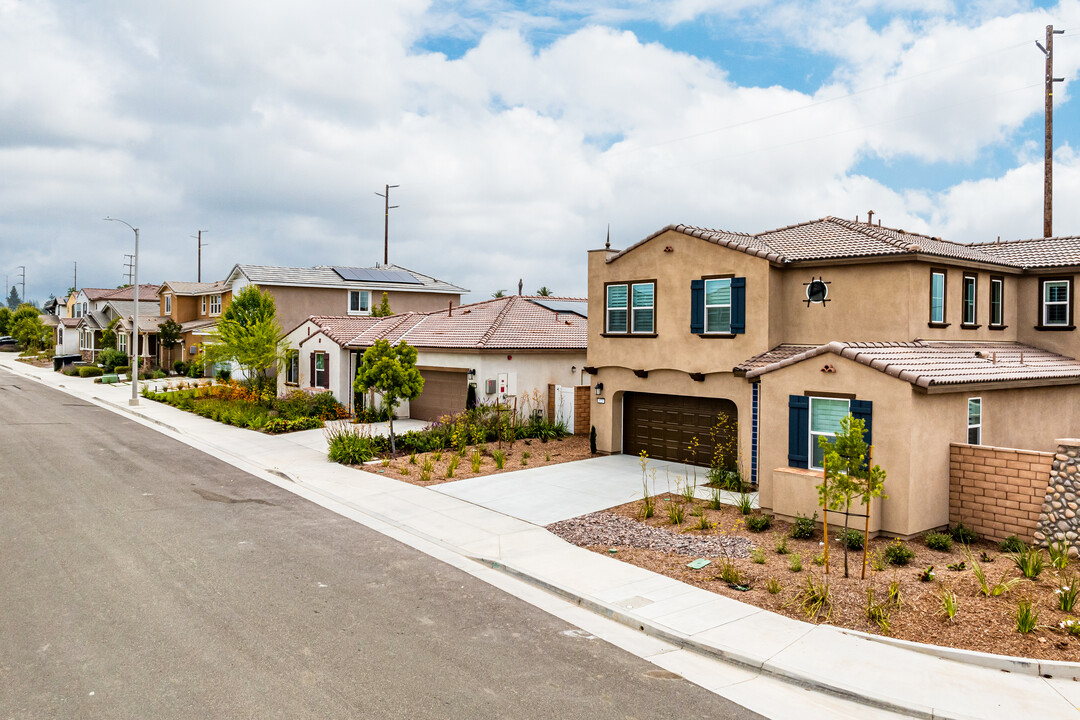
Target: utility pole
{"points": [[128, 265], [1048, 160], [75, 281], [22, 277], [386, 224], [201, 246]]}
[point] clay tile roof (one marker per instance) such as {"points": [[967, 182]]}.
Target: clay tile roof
{"points": [[509, 323], [928, 364], [1035, 253], [195, 288], [146, 292], [832, 238]]}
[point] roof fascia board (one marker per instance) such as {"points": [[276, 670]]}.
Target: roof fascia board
{"points": [[907, 257], [994, 385], [358, 286]]}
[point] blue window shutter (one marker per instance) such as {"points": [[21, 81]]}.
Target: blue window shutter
{"points": [[697, 307], [798, 431], [864, 410], [738, 305]]}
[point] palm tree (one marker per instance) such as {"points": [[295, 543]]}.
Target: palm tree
{"points": [[498, 294], [543, 291]]}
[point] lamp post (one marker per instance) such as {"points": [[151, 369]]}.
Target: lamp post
{"points": [[135, 320]]}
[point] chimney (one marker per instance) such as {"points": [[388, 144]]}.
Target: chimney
{"points": [[869, 217], [450, 309]]}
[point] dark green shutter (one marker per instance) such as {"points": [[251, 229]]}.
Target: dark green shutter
{"points": [[864, 410], [697, 307], [798, 431], [738, 305]]}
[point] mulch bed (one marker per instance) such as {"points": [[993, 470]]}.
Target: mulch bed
{"points": [[986, 624], [410, 468]]}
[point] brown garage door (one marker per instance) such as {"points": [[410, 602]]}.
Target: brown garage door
{"points": [[665, 425], [444, 393]]}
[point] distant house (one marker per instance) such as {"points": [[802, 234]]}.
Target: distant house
{"points": [[196, 307], [347, 291], [501, 348], [90, 307]]}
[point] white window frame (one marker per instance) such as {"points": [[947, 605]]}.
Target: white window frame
{"points": [[632, 318], [168, 303], [121, 342], [938, 319], [292, 367], [315, 381], [813, 436], [977, 427], [997, 287], [608, 307], [724, 330], [215, 305], [203, 305], [1047, 303], [362, 308], [970, 304]]}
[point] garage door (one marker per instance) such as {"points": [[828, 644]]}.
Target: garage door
{"points": [[444, 393], [665, 425]]}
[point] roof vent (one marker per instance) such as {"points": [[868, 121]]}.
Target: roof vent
{"points": [[914, 247]]}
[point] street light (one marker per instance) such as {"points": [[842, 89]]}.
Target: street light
{"points": [[135, 320]]}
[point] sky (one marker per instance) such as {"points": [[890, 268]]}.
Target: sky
{"points": [[517, 132]]}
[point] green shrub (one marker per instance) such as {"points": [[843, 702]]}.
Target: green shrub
{"points": [[1030, 561], [963, 535], [71, 371], [109, 358], [938, 541], [180, 367], [759, 522], [122, 369], [1012, 544], [88, 371], [897, 553], [348, 445], [804, 527], [223, 374], [853, 539]]}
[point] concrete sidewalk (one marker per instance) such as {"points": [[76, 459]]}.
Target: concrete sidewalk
{"points": [[760, 647]]}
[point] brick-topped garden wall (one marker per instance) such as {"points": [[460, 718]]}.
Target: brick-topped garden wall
{"points": [[997, 491]]}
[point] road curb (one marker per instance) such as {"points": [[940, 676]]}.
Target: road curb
{"points": [[134, 413], [762, 665]]}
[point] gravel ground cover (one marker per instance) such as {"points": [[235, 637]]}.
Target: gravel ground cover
{"points": [[983, 623]]}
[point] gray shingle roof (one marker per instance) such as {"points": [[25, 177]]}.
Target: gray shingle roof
{"points": [[194, 288], [326, 276], [832, 238], [927, 364]]}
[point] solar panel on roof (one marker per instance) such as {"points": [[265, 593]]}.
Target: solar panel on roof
{"points": [[564, 306], [376, 275]]}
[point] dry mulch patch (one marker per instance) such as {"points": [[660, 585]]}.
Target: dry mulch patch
{"points": [[523, 455], [986, 624]]}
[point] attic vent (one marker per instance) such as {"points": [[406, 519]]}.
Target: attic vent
{"points": [[914, 247]]}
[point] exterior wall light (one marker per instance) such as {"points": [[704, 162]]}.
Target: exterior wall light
{"points": [[599, 388]]}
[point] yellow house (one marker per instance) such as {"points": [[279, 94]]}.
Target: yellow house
{"points": [[785, 332]]}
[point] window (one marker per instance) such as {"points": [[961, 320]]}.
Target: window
{"points": [[997, 302], [825, 417], [718, 306], [121, 342], [810, 418], [215, 304], [1056, 311], [203, 305], [974, 421], [320, 375], [359, 302], [642, 315], [292, 367], [168, 304], [60, 335], [631, 308], [937, 297], [616, 308], [970, 295]]}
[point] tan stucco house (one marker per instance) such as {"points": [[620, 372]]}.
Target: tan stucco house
{"points": [[787, 331], [504, 348]]}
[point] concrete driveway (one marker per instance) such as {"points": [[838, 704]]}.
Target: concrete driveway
{"points": [[557, 492]]}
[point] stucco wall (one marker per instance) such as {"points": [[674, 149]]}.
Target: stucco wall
{"points": [[296, 304], [1029, 308]]}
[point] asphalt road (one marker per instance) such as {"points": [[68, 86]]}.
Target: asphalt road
{"points": [[140, 578]]}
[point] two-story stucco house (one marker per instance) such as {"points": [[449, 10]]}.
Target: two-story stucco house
{"points": [[787, 331]]}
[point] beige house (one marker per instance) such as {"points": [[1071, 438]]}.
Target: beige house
{"points": [[787, 331], [501, 348]]}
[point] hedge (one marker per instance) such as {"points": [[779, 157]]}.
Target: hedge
{"points": [[90, 372]]}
